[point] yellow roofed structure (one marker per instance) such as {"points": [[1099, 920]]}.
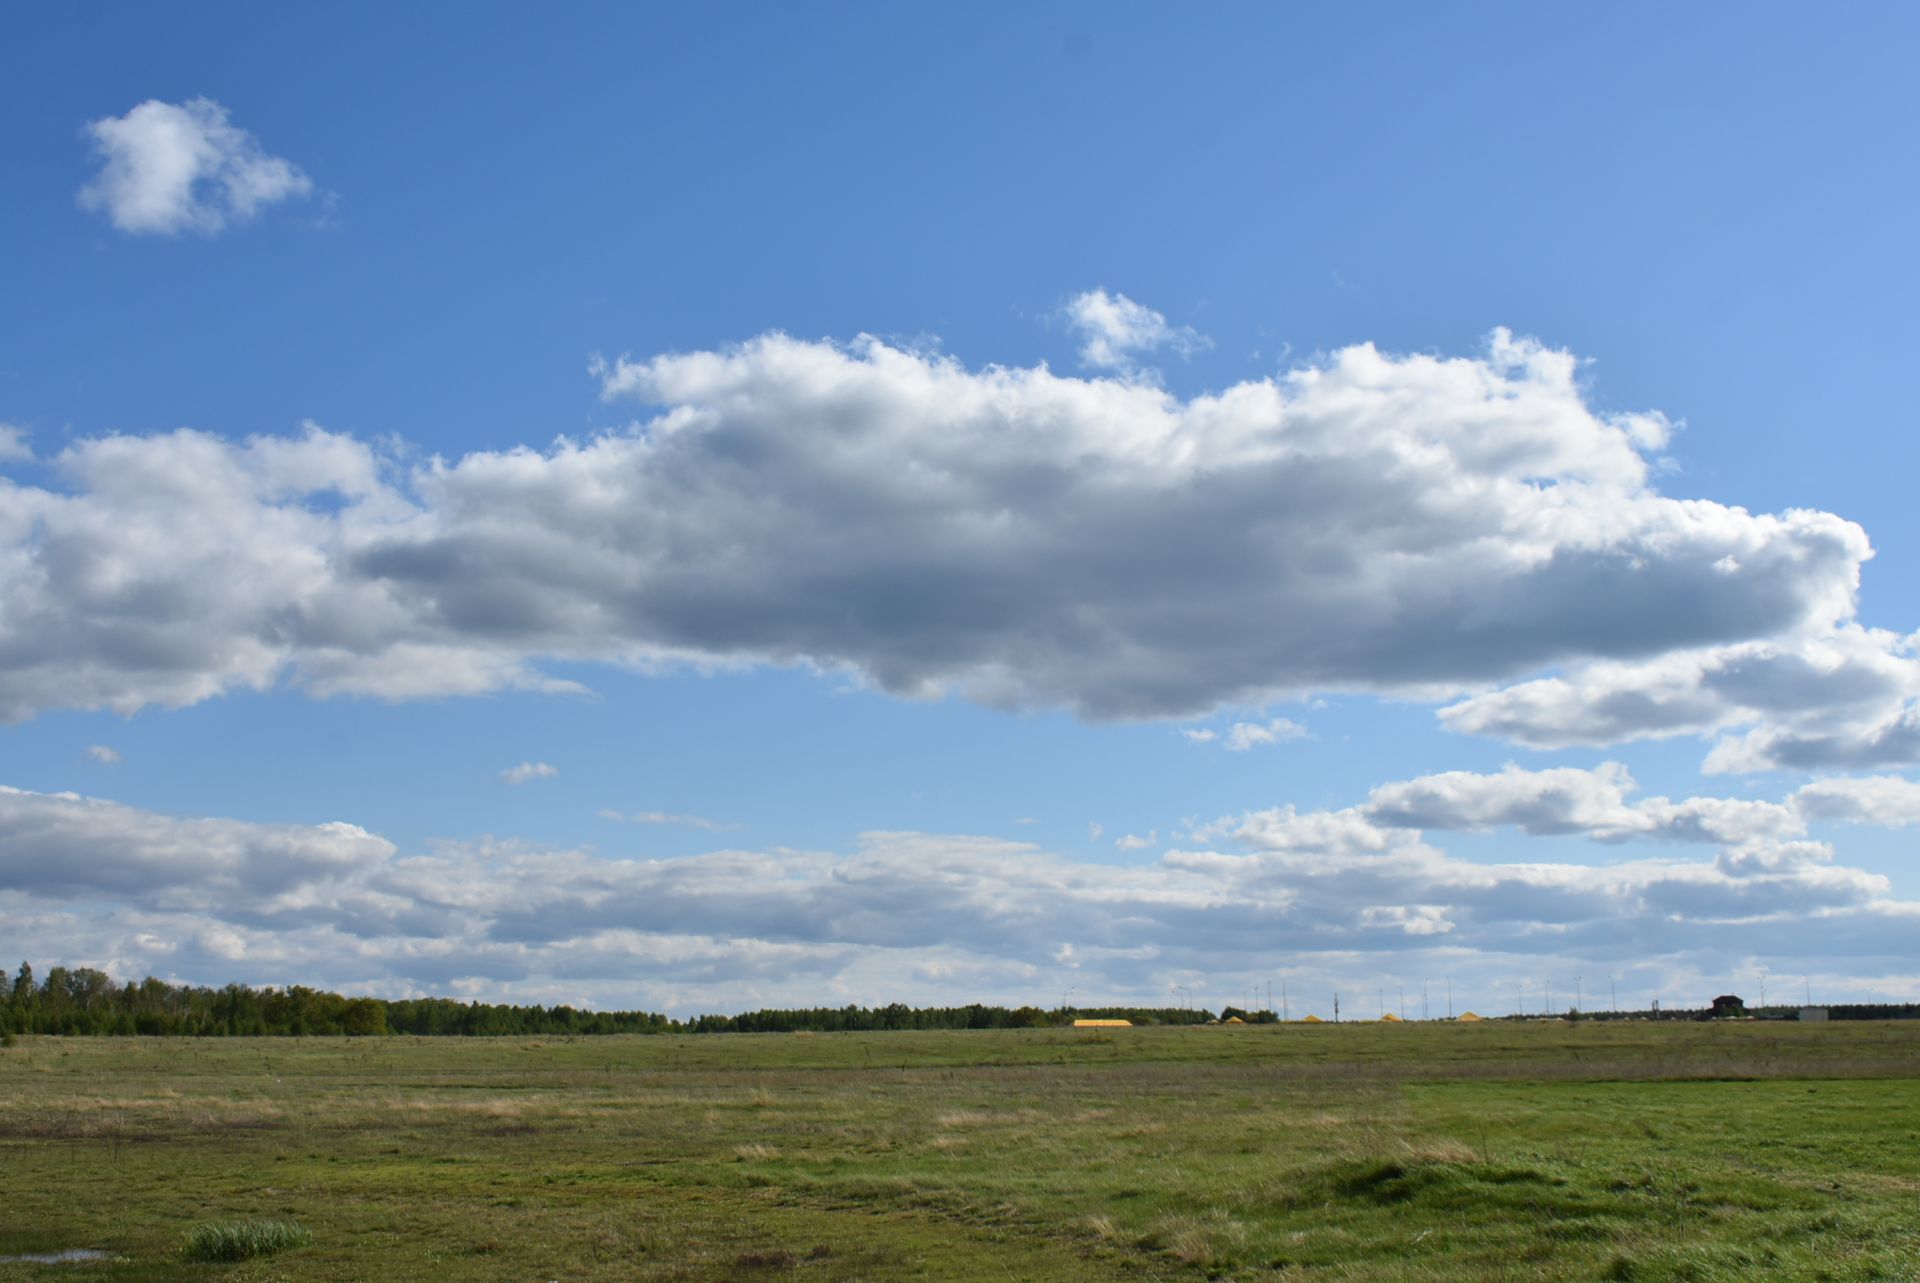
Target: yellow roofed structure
{"points": [[1103, 1024], [1469, 1016], [1390, 1019], [1233, 1020], [1313, 1020]]}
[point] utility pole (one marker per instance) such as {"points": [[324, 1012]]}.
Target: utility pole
{"points": [[1284, 1014], [1336, 1007], [1425, 1015], [1383, 1002]]}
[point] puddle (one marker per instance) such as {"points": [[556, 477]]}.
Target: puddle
{"points": [[71, 1256]]}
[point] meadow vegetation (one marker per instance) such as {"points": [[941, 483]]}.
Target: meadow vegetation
{"points": [[1508, 1151]]}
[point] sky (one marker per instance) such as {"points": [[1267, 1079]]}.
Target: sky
{"points": [[703, 509]]}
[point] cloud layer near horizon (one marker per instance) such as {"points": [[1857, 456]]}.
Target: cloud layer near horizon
{"points": [[1403, 524], [1347, 897]]}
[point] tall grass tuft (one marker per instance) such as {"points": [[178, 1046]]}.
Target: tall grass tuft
{"points": [[242, 1240]]}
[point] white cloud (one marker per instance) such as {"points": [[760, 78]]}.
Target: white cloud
{"points": [[63, 844], [1135, 842], [104, 755], [167, 168], [13, 444], [1845, 698], [1889, 801], [1249, 735], [1200, 735], [1379, 523], [526, 771], [913, 916], [1113, 329], [1094, 830], [688, 821]]}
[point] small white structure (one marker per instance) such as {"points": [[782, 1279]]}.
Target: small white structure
{"points": [[1813, 1013]]}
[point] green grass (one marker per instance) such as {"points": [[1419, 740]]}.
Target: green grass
{"points": [[230, 1241], [1503, 1152]]}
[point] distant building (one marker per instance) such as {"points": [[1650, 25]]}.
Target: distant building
{"points": [[1813, 1013], [1390, 1019], [1103, 1024], [1469, 1017]]}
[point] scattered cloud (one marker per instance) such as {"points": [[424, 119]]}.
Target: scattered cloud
{"points": [[1844, 698], [526, 771], [1413, 525], [1094, 830], [103, 755], [167, 168], [1114, 330], [1134, 842], [1200, 735], [1335, 897], [1888, 801], [63, 844], [13, 444], [1025, 820], [1250, 735], [670, 817]]}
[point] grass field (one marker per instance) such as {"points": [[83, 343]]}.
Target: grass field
{"points": [[1441, 1152]]}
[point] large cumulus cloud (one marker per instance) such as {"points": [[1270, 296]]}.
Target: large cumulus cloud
{"points": [[1369, 522]]}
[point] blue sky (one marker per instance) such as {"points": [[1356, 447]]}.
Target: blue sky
{"points": [[823, 602]]}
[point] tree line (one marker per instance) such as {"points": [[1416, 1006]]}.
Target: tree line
{"points": [[82, 1000]]}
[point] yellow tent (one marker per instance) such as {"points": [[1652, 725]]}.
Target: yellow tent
{"points": [[1313, 1020], [1468, 1015], [1233, 1020], [1391, 1019]]}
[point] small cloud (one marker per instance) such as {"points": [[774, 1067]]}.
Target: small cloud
{"points": [[168, 167], [1246, 735], [690, 821], [1026, 819], [1201, 736], [1094, 830], [13, 444], [608, 813], [1113, 328], [528, 771], [104, 755], [1134, 842]]}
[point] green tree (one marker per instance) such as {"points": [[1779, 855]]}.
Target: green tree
{"points": [[363, 1017]]}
